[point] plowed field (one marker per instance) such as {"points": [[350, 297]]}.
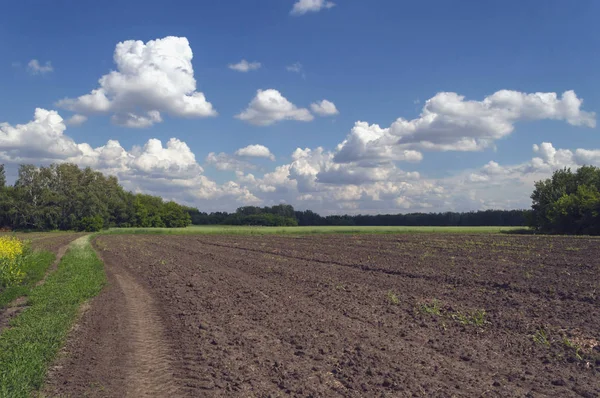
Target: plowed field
{"points": [[431, 315]]}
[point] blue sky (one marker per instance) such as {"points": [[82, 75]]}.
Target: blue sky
{"points": [[376, 61]]}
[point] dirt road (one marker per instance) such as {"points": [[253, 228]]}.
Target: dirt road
{"points": [[326, 316]]}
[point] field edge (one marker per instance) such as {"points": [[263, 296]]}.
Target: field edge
{"points": [[33, 339]]}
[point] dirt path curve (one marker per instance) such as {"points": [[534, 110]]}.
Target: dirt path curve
{"points": [[118, 347]]}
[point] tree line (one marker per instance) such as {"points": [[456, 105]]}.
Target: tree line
{"points": [[65, 197], [285, 215]]}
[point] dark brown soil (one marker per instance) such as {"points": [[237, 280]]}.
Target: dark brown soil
{"points": [[326, 316], [51, 241]]}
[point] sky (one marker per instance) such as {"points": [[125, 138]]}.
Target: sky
{"points": [[341, 106]]}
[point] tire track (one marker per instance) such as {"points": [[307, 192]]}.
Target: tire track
{"points": [[149, 370]]}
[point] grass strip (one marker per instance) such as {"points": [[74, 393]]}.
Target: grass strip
{"points": [[35, 266], [29, 346], [248, 230]]}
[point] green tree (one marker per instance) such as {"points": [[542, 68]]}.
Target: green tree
{"points": [[568, 202]]}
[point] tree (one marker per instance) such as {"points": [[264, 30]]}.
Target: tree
{"points": [[2, 177], [69, 198], [568, 203]]}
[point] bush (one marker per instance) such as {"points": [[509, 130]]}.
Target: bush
{"points": [[91, 224], [12, 253]]}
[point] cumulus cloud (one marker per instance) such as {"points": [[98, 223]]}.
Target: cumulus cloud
{"points": [[151, 78], [302, 7], [269, 107], [76, 120], [449, 122], [35, 68], [224, 161], [257, 151], [239, 161], [373, 143], [324, 108], [41, 139], [136, 121], [245, 66], [587, 157]]}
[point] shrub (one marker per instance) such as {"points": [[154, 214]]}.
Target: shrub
{"points": [[91, 224], [12, 252]]}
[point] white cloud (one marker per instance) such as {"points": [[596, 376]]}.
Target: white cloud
{"points": [[41, 139], [324, 108], [136, 121], [223, 161], [302, 7], [269, 107], [373, 143], [296, 68], [448, 122], [35, 68], [76, 120], [257, 151], [151, 78], [245, 66], [587, 157], [175, 158], [239, 160]]}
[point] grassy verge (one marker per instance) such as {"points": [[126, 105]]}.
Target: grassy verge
{"points": [[246, 230], [35, 267], [36, 335]]}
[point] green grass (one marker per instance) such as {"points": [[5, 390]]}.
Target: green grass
{"points": [[35, 336], [392, 298], [475, 318], [35, 267], [246, 230], [433, 307]]}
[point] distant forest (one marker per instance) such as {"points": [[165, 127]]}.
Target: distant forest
{"points": [[65, 197], [285, 215]]}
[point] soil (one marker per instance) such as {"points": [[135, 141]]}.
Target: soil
{"points": [[51, 241], [348, 316]]}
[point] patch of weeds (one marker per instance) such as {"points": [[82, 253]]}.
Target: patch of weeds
{"points": [[573, 346], [541, 337], [474, 318], [392, 298], [35, 266], [433, 307]]}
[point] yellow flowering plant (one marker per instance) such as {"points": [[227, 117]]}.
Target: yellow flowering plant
{"points": [[12, 253]]}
